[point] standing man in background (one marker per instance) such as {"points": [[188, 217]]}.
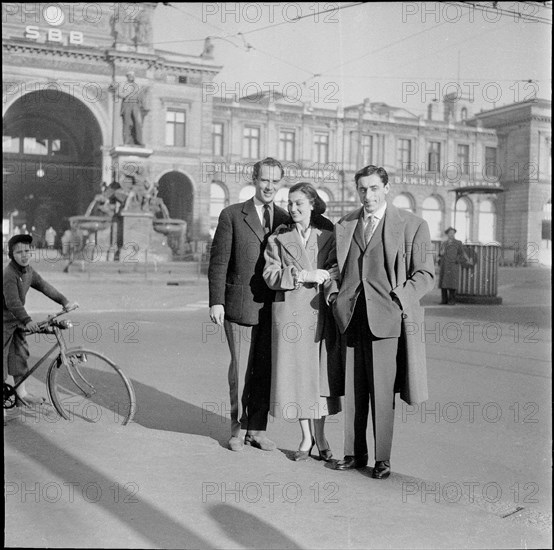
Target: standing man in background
{"points": [[240, 301]]}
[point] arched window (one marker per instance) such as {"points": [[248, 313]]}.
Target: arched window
{"points": [[218, 201], [462, 222], [463, 114], [247, 193], [432, 213], [404, 202], [487, 222]]}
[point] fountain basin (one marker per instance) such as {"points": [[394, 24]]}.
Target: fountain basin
{"points": [[168, 226], [90, 223]]}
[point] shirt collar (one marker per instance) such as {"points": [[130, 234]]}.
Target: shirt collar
{"points": [[19, 268], [259, 204], [377, 214]]}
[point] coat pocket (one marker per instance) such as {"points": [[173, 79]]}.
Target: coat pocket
{"points": [[234, 297]]}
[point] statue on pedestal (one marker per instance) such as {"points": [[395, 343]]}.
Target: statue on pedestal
{"points": [[132, 109]]}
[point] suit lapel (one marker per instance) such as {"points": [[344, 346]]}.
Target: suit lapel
{"points": [[280, 217], [345, 232], [252, 220]]}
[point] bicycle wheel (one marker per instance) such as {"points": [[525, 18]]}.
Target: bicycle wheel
{"points": [[91, 387]]}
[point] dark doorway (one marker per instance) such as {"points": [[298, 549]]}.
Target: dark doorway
{"points": [[52, 160], [177, 193]]}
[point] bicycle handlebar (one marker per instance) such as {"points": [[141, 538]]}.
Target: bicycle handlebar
{"points": [[43, 325]]}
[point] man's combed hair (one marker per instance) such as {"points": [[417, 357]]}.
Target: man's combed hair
{"points": [[268, 161], [370, 170]]}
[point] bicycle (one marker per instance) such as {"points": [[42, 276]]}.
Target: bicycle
{"points": [[80, 382]]}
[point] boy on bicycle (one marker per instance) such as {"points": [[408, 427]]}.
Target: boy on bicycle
{"points": [[19, 276]]}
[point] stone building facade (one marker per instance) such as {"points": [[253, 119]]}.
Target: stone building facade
{"points": [[488, 174], [62, 122]]}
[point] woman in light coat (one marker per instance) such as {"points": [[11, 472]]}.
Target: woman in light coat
{"points": [[307, 359]]}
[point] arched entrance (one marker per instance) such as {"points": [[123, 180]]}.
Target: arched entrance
{"points": [[176, 190], [52, 160]]}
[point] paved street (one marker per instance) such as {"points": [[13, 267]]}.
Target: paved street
{"points": [[472, 466]]}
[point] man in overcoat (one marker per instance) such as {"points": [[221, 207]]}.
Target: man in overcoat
{"points": [[240, 301], [385, 261], [451, 256]]}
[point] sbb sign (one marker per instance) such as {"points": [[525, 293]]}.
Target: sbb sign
{"points": [[54, 35]]}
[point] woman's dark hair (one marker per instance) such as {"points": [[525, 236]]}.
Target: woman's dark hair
{"points": [[318, 203]]}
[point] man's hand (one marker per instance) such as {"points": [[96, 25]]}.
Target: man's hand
{"points": [[217, 314], [70, 306], [318, 276], [333, 298], [32, 326], [334, 272], [396, 300]]}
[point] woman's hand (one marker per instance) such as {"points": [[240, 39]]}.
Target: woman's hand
{"points": [[318, 276]]}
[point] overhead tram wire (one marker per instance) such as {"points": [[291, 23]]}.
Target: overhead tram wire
{"points": [[381, 49]]}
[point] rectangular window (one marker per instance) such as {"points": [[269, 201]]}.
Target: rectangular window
{"points": [[286, 145], [35, 146], [251, 142], [367, 150], [404, 153], [217, 139], [321, 146], [175, 128], [463, 158], [434, 156], [491, 166], [10, 144]]}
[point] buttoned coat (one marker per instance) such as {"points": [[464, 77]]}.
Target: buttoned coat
{"points": [[410, 271], [306, 353], [451, 257], [237, 262]]}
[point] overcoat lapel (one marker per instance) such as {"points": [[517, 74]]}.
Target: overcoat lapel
{"points": [[301, 256], [344, 234], [392, 233], [252, 220]]}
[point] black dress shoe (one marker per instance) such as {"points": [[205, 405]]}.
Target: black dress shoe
{"points": [[381, 470], [351, 462]]}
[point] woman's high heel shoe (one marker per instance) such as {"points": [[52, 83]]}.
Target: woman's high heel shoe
{"points": [[303, 455], [325, 454]]}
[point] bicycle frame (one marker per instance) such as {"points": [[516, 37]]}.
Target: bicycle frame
{"points": [[59, 345]]}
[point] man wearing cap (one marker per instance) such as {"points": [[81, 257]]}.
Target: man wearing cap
{"points": [[19, 276], [451, 255]]}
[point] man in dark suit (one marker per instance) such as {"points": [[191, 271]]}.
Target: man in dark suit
{"points": [[240, 301], [385, 262]]}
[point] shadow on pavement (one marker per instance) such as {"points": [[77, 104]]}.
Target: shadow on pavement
{"points": [[158, 410], [149, 522], [249, 531]]}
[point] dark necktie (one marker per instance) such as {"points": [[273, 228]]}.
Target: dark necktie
{"points": [[267, 219]]}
